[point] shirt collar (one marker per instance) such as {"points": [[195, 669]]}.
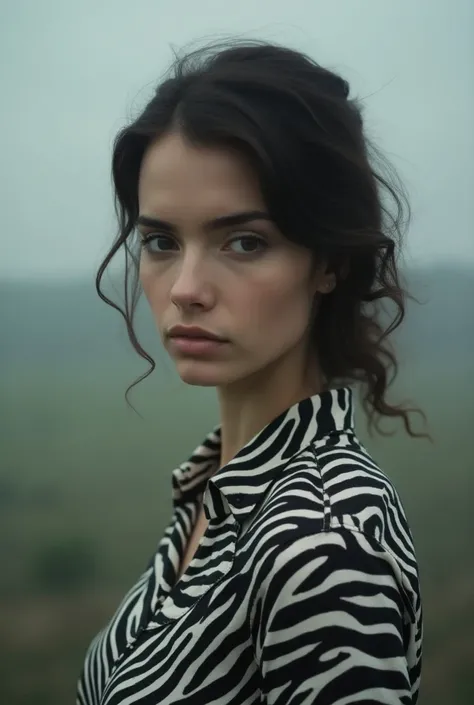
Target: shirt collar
{"points": [[239, 485]]}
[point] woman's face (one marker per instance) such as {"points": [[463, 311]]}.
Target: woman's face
{"points": [[243, 282]]}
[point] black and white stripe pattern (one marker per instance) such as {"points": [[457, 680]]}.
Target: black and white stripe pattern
{"points": [[303, 591]]}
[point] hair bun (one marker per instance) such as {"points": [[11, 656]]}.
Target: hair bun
{"points": [[334, 85], [342, 87]]}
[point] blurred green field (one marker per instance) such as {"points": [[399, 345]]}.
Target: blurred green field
{"points": [[85, 493]]}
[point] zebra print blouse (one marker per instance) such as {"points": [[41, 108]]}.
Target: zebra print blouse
{"points": [[303, 590]]}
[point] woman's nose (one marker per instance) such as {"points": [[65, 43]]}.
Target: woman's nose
{"points": [[192, 287]]}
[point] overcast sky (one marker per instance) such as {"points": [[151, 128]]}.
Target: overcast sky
{"points": [[72, 73]]}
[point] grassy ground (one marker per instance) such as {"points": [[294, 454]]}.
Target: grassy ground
{"points": [[85, 493]]}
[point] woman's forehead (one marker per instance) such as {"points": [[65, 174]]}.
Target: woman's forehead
{"points": [[179, 183], [174, 163]]}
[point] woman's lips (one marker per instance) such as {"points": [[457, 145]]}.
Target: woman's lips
{"points": [[195, 345]]}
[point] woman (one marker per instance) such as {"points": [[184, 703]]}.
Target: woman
{"points": [[287, 573]]}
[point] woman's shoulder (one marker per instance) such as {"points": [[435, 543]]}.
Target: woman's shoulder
{"points": [[336, 484], [333, 496]]}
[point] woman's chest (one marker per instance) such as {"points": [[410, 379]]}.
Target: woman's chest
{"points": [[167, 619], [182, 647], [205, 657]]}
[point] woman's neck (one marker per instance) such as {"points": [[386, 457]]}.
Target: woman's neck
{"points": [[248, 406]]}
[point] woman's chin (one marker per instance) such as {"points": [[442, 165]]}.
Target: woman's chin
{"points": [[202, 374]]}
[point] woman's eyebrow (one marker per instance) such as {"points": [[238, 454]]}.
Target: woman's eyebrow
{"points": [[214, 224]]}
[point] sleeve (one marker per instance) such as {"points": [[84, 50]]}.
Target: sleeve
{"points": [[329, 624]]}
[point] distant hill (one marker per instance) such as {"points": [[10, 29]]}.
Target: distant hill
{"points": [[49, 322]]}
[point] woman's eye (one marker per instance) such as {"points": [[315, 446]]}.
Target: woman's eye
{"points": [[157, 244], [247, 244]]}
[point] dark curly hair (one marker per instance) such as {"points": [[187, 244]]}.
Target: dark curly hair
{"points": [[304, 136]]}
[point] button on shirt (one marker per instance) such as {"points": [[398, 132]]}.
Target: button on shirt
{"points": [[303, 590]]}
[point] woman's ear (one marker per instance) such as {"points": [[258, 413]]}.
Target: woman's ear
{"points": [[324, 279], [329, 283]]}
